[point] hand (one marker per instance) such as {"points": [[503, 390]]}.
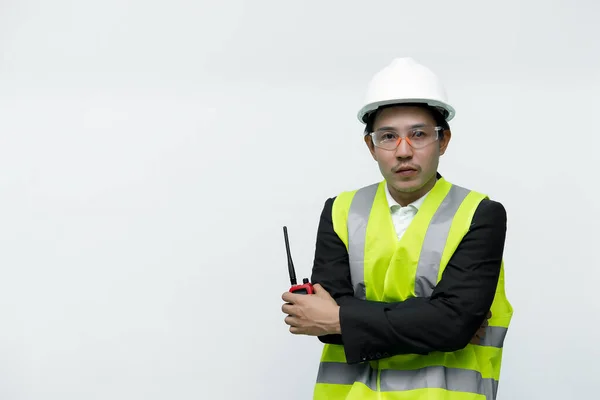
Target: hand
{"points": [[480, 334], [311, 314]]}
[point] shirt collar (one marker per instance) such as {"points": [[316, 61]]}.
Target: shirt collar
{"points": [[394, 204]]}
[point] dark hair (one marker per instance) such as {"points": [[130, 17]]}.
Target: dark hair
{"points": [[435, 113]]}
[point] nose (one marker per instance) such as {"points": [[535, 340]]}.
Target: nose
{"points": [[404, 150]]}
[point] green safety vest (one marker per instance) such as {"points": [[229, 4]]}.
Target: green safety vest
{"points": [[384, 268]]}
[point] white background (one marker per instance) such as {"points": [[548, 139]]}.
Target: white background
{"points": [[151, 152]]}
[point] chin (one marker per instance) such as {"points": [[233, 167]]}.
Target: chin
{"points": [[408, 186]]}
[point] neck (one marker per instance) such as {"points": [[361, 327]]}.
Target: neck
{"points": [[405, 198]]}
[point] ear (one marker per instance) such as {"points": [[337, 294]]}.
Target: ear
{"points": [[369, 142], [445, 141]]}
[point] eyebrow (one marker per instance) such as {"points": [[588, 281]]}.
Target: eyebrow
{"points": [[391, 128]]}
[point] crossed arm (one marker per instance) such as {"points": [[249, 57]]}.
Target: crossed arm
{"points": [[445, 321]]}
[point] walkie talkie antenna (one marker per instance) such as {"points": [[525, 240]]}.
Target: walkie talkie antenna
{"points": [[289, 257], [306, 287]]}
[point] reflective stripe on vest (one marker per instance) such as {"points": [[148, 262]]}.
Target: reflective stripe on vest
{"points": [[453, 379], [471, 370]]}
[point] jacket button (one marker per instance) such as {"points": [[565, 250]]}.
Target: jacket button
{"points": [[378, 355]]}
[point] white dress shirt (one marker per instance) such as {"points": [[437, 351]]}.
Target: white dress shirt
{"points": [[402, 216]]}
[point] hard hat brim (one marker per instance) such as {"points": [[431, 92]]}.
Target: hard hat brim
{"points": [[364, 112]]}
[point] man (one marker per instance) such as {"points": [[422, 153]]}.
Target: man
{"points": [[407, 270]]}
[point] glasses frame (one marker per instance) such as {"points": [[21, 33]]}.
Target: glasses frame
{"points": [[437, 130]]}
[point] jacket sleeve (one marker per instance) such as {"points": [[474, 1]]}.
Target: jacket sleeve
{"points": [[445, 321], [331, 268]]}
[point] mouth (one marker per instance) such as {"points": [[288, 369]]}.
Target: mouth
{"points": [[406, 171]]}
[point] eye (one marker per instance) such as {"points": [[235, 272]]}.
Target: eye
{"points": [[384, 136]]}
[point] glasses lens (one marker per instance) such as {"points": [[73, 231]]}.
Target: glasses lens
{"points": [[386, 139], [422, 137]]}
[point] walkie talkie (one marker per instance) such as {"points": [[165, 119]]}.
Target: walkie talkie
{"points": [[306, 287]]}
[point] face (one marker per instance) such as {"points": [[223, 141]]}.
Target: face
{"points": [[409, 172]]}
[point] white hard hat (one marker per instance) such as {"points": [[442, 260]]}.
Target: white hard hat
{"points": [[405, 81]]}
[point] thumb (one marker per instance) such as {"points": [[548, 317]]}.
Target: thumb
{"points": [[320, 290]]}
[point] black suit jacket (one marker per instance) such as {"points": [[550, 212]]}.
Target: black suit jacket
{"points": [[445, 321]]}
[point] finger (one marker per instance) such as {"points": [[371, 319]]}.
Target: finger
{"points": [[296, 331], [319, 290], [489, 314], [288, 308], [292, 321], [478, 337], [289, 297]]}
